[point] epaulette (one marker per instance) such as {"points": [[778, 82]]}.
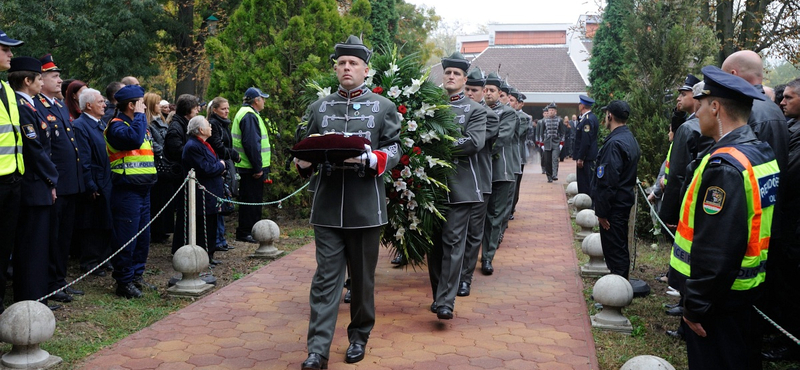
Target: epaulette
{"points": [[44, 101]]}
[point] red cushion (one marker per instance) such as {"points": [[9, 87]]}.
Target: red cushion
{"points": [[333, 148]]}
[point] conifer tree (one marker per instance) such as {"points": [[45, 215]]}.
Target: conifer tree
{"points": [[606, 63]]}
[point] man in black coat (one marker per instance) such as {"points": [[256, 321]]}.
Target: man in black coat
{"points": [[187, 108], [66, 157], [613, 193], [585, 144]]}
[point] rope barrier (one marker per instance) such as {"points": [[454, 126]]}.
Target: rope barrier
{"points": [[767, 318], [186, 180]]}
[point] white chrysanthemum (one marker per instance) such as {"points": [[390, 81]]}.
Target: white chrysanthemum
{"points": [[412, 125], [409, 142], [394, 92], [406, 172], [325, 92]]}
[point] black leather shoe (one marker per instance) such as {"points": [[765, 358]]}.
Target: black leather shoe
{"points": [[73, 291], [783, 353], [677, 311], [486, 267], [672, 305], [246, 239], [355, 353], [53, 306], [61, 297], [444, 313], [315, 362], [214, 262], [434, 307], [463, 289], [222, 248], [101, 272], [555, 178], [511, 217], [128, 291], [348, 296], [140, 284], [673, 334], [399, 260]]}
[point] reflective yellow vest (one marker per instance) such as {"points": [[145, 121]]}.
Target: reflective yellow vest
{"points": [[666, 167], [236, 133], [760, 184], [10, 135], [135, 166]]}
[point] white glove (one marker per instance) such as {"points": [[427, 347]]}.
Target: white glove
{"points": [[362, 159], [301, 163]]}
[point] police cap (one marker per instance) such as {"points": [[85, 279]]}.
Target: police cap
{"points": [[619, 108], [585, 100], [29, 64], [254, 92], [717, 82], [129, 92], [48, 65], [689, 82], [7, 41]]}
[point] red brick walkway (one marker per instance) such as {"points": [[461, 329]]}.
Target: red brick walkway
{"points": [[529, 315]]}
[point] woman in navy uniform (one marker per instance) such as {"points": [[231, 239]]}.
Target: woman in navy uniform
{"points": [[38, 185]]}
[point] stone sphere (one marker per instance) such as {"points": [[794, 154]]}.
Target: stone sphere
{"points": [[586, 218], [266, 232], [613, 291], [582, 201], [572, 178], [591, 245], [27, 323], [190, 258], [647, 362], [572, 189]]}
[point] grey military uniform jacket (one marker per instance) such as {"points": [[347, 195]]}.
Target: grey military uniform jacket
{"points": [[516, 160], [485, 154], [552, 132], [524, 127], [502, 152], [464, 184], [343, 199]]}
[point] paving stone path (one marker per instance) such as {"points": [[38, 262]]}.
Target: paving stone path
{"points": [[529, 315]]}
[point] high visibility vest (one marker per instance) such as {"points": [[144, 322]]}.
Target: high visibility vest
{"points": [[236, 133], [135, 167], [666, 167], [10, 135], [760, 184]]}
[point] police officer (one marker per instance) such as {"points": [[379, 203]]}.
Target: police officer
{"points": [[447, 254], [66, 157], [251, 141], [133, 173], [503, 177], [38, 185], [613, 194], [349, 210], [724, 229], [586, 144], [474, 90], [12, 165]]}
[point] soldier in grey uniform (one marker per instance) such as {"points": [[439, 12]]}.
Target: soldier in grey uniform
{"points": [[447, 253], [516, 163], [540, 139], [474, 90], [517, 102], [553, 134], [502, 172], [348, 210]]}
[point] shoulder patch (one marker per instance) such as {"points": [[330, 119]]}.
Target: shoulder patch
{"points": [[601, 170], [587, 127], [29, 131], [713, 200], [44, 125]]}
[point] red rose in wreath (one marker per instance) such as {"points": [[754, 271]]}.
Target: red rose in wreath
{"points": [[416, 150], [402, 109], [377, 90], [405, 160], [395, 174]]}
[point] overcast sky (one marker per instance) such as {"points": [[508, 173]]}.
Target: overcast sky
{"points": [[473, 13]]}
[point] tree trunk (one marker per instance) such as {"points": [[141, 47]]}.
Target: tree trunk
{"points": [[725, 29], [184, 48]]}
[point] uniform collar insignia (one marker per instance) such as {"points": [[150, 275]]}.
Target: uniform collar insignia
{"points": [[44, 101], [352, 94], [457, 96]]}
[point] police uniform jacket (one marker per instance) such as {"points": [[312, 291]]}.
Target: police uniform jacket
{"points": [[208, 169], [769, 125], [616, 172], [64, 148], [485, 154], [464, 183], [96, 172], [687, 145], [343, 199], [41, 175], [553, 131], [720, 240], [791, 199], [502, 169], [586, 138]]}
